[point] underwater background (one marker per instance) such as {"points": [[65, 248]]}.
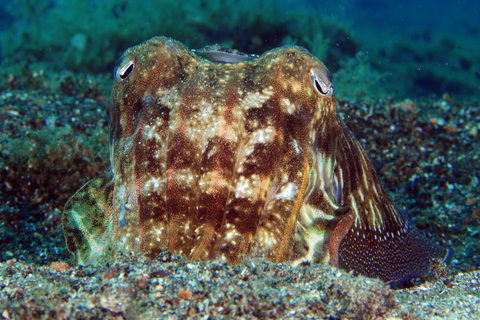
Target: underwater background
{"points": [[406, 76], [411, 48]]}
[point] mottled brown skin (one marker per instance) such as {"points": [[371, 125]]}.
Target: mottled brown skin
{"points": [[224, 160]]}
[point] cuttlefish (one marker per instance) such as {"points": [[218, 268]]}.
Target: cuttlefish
{"points": [[217, 154]]}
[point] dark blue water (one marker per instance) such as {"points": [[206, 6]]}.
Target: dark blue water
{"points": [[424, 47]]}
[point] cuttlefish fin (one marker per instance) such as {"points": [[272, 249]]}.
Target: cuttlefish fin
{"points": [[87, 221], [393, 256], [376, 238]]}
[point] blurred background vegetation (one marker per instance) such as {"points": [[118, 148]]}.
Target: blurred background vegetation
{"points": [[375, 48]]}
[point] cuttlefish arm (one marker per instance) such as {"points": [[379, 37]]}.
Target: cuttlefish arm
{"points": [[87, 224], [374, 237]]}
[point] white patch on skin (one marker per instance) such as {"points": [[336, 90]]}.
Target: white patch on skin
{"points": [[287, 105], [337, 185], [241, 153], [131, 206], [262, 136], [365, 178], [360, 193], [153, 184], [325, 181], [353, 203], [256, 99], [121, 198], [288, 191], [374, 189], [160, 154], [202, 130], [265, 239], [149, 131], [307, 215], [296, 146], [230, 233], [373, 216], [378, 215], [296, 86], [185, 176], [121, 217], [242, 188], [371, 219]]}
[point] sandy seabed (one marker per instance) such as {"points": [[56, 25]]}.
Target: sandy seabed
{"points": [[426, 152]]}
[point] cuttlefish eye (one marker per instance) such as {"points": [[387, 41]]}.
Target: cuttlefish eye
{"points": [[124, 69], [322, 81]]}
